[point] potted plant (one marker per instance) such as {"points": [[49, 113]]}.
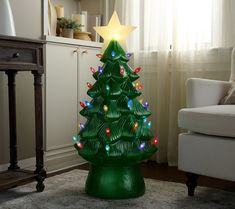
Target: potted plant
{"points": [[67, 26]]}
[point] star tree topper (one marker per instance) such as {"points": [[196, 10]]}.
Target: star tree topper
{"points": [[114, 30]]}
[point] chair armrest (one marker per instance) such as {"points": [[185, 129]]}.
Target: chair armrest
{"points": [[205, 92]]}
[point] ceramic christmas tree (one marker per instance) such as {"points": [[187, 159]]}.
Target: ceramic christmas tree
{"points": [[116, 136]]}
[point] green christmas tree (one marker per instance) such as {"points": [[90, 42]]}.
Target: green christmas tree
{"points": [[116, 136]]}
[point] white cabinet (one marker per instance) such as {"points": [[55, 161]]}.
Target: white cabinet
{"points": [[86, 59], [67, 73]]}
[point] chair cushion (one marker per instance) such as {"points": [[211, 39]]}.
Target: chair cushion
{"points": [[218, 120]]}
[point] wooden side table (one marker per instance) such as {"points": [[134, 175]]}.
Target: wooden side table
{"points": [[16, 55]]}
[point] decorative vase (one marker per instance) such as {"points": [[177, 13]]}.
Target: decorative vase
{"points": [[7, 26], [52, 19], [67, 33]]}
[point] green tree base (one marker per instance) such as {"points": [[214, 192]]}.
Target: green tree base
{"points": [[115, 182]]}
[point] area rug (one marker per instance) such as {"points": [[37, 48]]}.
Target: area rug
{"points": [[67, 191]]}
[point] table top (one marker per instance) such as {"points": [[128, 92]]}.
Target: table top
{"points": [[21, 39]]}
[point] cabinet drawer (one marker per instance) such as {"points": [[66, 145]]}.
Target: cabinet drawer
{"points": [[18, 55]]}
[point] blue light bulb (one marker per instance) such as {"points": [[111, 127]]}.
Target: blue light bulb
{"points": [[107, 87], [75, 138], [145, 120], [128, 55], [113, 53], [149, 124], [142, 145], [100, 69], [82, 126], [88, 104], [107, 147], [146, 105], [129, 103]]}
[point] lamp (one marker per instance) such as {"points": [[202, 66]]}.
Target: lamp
{"points": [[7, 26]]}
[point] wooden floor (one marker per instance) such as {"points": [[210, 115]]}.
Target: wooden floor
{"points": [[165, 173]]}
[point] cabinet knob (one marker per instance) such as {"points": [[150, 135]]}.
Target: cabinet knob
{"points": [[15, 55], [84, 52], [76, 50]]}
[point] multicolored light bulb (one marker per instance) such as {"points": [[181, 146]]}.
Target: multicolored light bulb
{"points": [[136, 125], [136, 84], [75, 139], [137, 70], [88, 104], [140, 87], [99, 55], [82, 104], [108, 132], [122, 71], [128, 55], [92, 70], [107, 148], [81, 125], [146, 105], [155, 141], [100, 69], [89, 85], [142, 145], [80, 145], [113, 53], [105, 108], [129, 103], [107, 87]]}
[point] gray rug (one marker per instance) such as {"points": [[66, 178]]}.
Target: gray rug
{"points": [[67, 191]]}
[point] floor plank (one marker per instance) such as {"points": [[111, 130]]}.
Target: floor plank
{"points": [[164, 172]]}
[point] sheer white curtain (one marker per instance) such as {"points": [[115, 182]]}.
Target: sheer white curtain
{"points": [[175, 40]]}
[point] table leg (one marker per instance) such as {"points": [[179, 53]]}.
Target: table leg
{"points": [[12, 119], [39, 130]]}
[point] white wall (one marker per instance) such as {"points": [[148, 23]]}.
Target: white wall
{"points": [[28, 17], [28, 23]]}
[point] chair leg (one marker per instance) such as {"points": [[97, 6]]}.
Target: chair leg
{"points": [[191, 182]]}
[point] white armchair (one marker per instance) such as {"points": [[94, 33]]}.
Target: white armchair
{"points": [[208, 148]]}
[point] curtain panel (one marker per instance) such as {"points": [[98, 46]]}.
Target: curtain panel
{"points": [[176, 40]]}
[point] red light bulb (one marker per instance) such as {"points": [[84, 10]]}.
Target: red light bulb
{"points": [[122, 71], [82, 104], [99, 55], [140, 86], [89, 85], [155, 141], [80, 145], [137, 70], [108, 132], [92, 70]]}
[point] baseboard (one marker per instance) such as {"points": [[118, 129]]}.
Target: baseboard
{"points": [[54, 160], [60, 159], [28, 164]]}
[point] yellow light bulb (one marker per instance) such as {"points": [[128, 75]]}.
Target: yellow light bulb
{"points": [[136, 125], [105, 108]]}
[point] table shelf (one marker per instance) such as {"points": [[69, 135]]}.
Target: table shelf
{"points": [[17, 55], [13, 178]]}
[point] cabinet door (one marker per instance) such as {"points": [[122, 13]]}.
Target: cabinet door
{"points": [[61, 96], [86, 58]]}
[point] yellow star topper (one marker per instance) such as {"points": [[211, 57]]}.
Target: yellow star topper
{"points": [[114, 30]]}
